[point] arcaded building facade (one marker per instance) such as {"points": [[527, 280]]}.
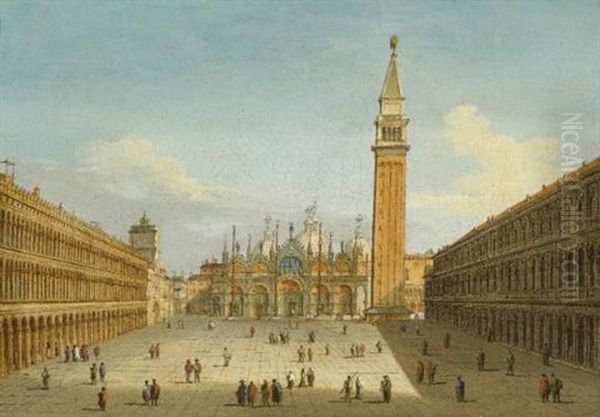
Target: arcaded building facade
{"points": [[529, 276], [298, 276], [62, 281]]}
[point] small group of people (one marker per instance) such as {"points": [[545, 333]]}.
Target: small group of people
{"points": [[358, 350], [247, 394], [428, 370], [550, 386], [347, 388], [98, 370], [192, 368], [356, 382], [75, 353], [303, 353], [307, 379], [151, 393], [282, 337], [154, 351]]}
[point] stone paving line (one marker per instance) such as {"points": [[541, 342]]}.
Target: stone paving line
{"points": [[255, 359]]}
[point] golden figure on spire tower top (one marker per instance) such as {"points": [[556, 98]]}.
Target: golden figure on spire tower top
{"points": [[394, 43]]}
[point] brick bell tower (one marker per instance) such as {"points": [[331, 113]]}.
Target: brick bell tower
{"points": [[389, 199]]}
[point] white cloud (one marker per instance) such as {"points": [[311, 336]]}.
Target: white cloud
{"points": [[134, 167], [508, 169]]}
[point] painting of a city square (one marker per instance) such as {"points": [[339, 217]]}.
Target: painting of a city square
{"points": [[299, 208]]}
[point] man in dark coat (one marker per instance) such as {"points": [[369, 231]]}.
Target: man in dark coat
{"points": [[459, 389], [276, 392], [265, 394], [242, 393], [154, 393], [386, 389]]}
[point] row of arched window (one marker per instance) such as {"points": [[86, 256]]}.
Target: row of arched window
{"points": [[19, 232], [547, 221], [546, 271], [28, 281]]}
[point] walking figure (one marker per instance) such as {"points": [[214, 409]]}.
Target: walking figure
{"points": [[424, 348], [386, 389], [544, 388], [510, 363], [556, 386], [459, 389], [197, 370], [226, 357], [347, 390], [45, 378], [154, 393], [276, 392], [242, 394], [447, 340], [378, 346], [146, 393], [480, 360], [420, 372], [291, 380], [93, 374], [252, 393], [102, 398], [310, 376], [265, 394], [102, 372], [360, 387], [430, 370], [188, 368]]}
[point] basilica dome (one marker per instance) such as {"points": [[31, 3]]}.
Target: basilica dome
{"points": [[309, 237], [358, 243]]}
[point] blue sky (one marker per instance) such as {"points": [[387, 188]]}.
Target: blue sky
{"points": [[212, 113]]}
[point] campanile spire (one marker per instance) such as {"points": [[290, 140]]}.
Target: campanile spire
{"points": [[389, 197]]}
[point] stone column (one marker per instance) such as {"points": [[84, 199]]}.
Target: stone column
{"points": [[26, 345], [10, 353], [35, 342], [3, 341]]}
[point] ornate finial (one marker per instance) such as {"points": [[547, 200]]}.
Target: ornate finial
{"points": [[394, 43], [311, 211], [359, 219], [267, 221], [144, 220]]}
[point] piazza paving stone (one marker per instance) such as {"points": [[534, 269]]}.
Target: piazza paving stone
{"points": [[488, 393]]}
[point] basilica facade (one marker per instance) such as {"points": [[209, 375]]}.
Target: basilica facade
{"points": [[300, 276]]}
